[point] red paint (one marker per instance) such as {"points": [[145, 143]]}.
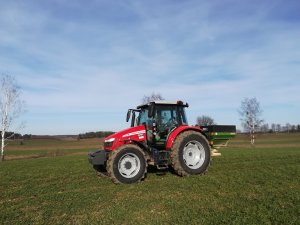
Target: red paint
{"points": [[178, 131], [137, 133]]}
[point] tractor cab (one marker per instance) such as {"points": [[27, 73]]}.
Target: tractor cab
{"points": [[160, 118]]}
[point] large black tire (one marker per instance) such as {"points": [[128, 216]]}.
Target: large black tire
{"points": [[127, 164], [190, 154]]}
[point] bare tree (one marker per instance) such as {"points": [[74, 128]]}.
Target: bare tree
{"points": [[250, 113], [293, 128], [11, 107], [264, 128], [288, 127], [273, 127], [278, 128], [205, 121], [152, 97]]}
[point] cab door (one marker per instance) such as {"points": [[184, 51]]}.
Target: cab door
{"points": [[166, 121], [143, 119]]}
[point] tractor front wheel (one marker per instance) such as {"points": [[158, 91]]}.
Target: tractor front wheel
{"points": [[190, 154], [127, 164]]}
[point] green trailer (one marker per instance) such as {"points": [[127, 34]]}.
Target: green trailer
{"points": [[219, 135]]}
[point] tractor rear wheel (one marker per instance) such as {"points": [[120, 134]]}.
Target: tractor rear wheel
{"points": [[127, 164], [190, 154]]}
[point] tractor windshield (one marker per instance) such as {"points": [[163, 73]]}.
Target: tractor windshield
{"points": [[143, 118]]}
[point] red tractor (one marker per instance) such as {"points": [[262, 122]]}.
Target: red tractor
{"points": [[158, 136]]}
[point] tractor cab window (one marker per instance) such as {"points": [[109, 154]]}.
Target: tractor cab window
{"points": [[166, 120], [182, 116], [143, 118]]}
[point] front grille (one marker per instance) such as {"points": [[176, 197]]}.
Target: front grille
{"points": [[108, 144]]}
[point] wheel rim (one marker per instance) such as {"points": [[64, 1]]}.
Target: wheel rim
{"points": [[129, 165], [193, 154]]}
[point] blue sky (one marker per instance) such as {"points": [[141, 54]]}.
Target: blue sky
{"points": [[82, 64]]}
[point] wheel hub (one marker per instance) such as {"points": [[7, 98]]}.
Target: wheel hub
{"points": [[129, 165], [193, 154]]}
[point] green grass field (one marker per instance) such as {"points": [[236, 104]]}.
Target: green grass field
{"points": [[245, 185], [49, 147]]}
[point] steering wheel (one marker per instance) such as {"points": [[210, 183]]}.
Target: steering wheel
{"points": [[172, 123]]}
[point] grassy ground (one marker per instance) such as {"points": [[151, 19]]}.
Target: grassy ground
{"points": [[36, 148], [244, 186]]}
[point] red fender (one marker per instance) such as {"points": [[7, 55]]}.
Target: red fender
{"points": [[177, 131]]}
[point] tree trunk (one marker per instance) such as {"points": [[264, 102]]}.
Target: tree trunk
{"points": [[252, 139], [2, 145]]}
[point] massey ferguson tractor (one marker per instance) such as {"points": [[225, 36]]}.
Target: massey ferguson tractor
{"points": [[159, 136]]}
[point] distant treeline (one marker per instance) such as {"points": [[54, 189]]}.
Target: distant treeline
{"points": [[278, 128], [275, 128], [13, 135], [98, 134]]}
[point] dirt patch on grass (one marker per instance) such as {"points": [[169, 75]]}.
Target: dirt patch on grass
{"points": [[19, 157]]}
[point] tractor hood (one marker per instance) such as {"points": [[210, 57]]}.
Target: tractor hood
{"points": [[137, 133]]}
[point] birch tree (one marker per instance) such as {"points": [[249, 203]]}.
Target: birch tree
{"points": [[11, 107], [250, 113]]}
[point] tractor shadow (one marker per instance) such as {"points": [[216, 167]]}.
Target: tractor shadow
{"points": [[159, 172]]}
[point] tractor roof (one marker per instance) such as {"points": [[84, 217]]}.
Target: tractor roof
{"points": [[163, 102]]}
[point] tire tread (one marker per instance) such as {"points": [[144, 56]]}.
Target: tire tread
{"points": [[111, 160], [175, 152]]}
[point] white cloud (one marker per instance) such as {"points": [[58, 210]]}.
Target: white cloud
{"points": [[75, 58]]}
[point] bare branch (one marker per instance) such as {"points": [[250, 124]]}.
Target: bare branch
{"points": [[152, 97], [11, 106]]}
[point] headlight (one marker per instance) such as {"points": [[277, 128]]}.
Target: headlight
{"points": [[109, 143]]}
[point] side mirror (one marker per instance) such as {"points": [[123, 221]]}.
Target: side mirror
{"points": [[133, 119], [128, 115], [151, 109]]}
